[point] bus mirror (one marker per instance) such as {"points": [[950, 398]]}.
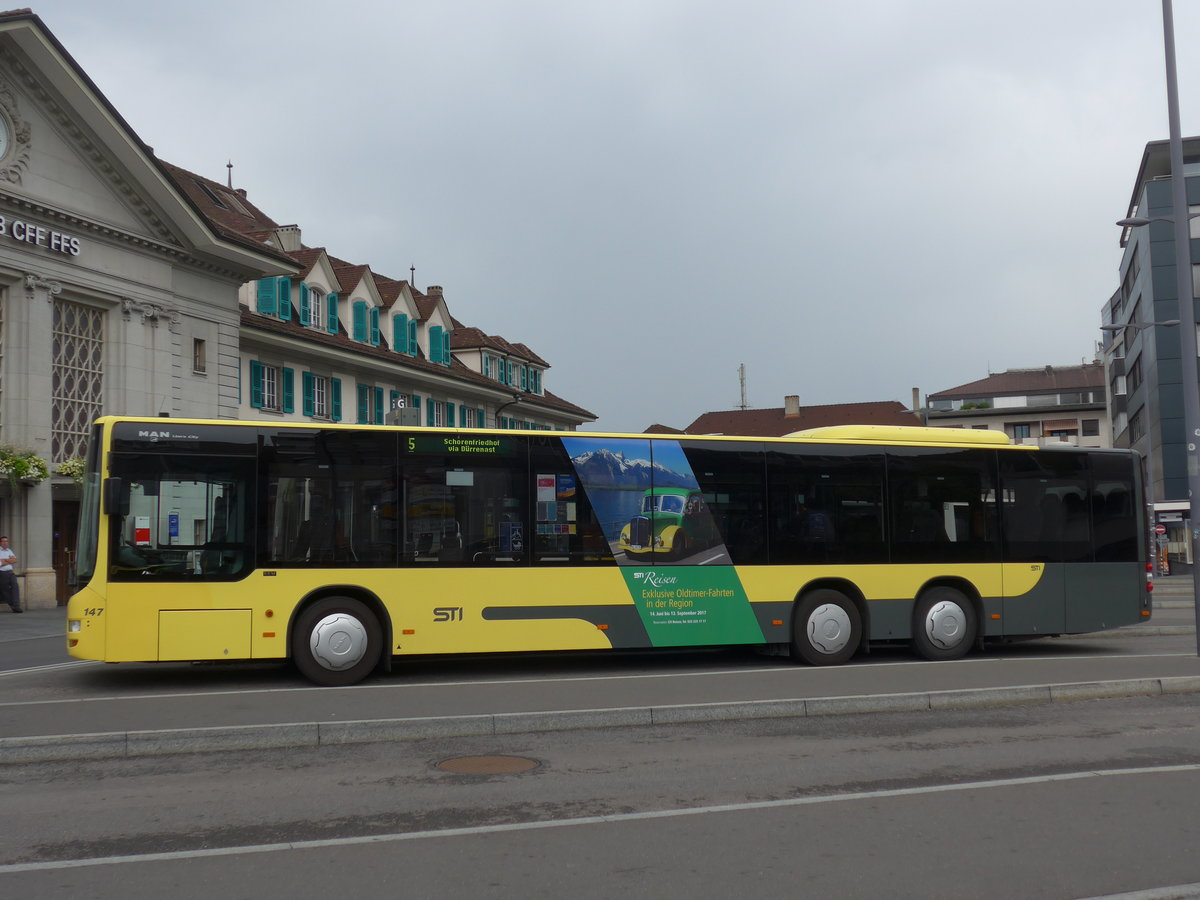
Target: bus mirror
{"points": [[116, 502]]}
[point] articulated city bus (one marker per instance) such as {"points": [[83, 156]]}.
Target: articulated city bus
{"points": [[344, 547]]}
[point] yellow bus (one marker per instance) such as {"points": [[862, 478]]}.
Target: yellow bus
{"points": [[344, 547]]}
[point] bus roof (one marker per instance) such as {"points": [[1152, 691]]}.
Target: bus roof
{"points": [[909, 435], [904, 434]]}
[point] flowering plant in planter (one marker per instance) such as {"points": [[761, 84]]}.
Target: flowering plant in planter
{"points": [[22, 466], [73, 467]]}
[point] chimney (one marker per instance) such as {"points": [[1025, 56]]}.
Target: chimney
{"points": [[289, 238], [791, 406], [434, 290], [916, 399]]}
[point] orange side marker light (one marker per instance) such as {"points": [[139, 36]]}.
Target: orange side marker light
{"points": [[996, 616], [409, 631], [602, 627]]}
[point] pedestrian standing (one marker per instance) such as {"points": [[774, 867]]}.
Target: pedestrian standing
{"points": [[9, 592]]}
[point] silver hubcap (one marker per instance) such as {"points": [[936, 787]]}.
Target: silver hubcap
{"points": [[338, 641], [946, 624], [829, 628]]}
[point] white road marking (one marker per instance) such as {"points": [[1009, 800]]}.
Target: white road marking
{"points": [[474, 831]]}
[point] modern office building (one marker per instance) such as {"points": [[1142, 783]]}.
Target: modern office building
{"points": [[1143, 363]]}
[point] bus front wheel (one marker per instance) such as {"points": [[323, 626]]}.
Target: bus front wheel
{"points": [[826, 629], [944, 624], [336, 642]]}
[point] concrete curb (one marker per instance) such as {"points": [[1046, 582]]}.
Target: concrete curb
{"points": [[133, 744]]}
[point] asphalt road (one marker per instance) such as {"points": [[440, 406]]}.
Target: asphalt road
{"points": [[1034, 801], [57, 708]]}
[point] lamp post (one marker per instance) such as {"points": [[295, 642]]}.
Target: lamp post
{"points": [[1187, 307]]}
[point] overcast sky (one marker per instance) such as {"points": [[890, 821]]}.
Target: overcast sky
{"points": [[850, 198]]}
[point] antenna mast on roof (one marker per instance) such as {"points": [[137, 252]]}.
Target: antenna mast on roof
{"points": [[412, 275], [229, 166], [742, 384]]}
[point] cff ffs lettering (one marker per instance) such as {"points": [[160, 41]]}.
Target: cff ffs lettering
{"points": [[28, 233]]}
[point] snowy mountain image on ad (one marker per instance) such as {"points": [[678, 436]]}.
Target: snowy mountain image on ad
{"points": [[648, 501]]}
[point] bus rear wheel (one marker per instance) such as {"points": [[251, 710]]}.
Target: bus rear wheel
{"points": [[826, 629], [336, 642], [944, 624]]}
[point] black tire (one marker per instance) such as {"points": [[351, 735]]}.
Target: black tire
{"points": [[826, 628], [680, 546], [348, 638], [944, 625]]}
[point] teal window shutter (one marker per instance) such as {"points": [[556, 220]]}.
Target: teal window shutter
{"points": [[429, 413], [462, 417], [446, 347], [285, 298], [256, 384], [304, 310], [362, 404], [412, 337], [416, 401], [335, 399], [289, 390], [331, 314], [479, 417], [310, 402], [268, 293], [524, 378], [450, 414], [435, 343], [378, 406], [360, 321], [374, 326], [400, 333], [395, 400]]}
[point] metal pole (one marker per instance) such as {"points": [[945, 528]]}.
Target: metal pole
{"points": [[1187, 310]]}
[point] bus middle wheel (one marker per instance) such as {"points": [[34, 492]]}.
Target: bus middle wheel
{"points": [[944, 624], [826, 628]]}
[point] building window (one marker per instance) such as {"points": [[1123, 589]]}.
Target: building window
{"points": [[1135, 426], [470, 417], [199, 356], [316, 310], [1091, 428], [78, 377], [316, 395], [271, 387], [1133, 375], [370, 405], [1020, 430]]}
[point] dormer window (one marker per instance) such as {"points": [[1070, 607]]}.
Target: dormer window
{"points": [[312, 307], [273, 297], [366, 323], [439, 345]]}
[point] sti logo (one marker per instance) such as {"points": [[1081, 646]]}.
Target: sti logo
{"points": [[654, 579]]}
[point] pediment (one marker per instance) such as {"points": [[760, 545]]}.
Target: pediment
{"points": [[56, 163]]}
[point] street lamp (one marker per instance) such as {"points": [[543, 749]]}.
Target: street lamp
{"points": [[1187, 307], [1139, 326]]}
